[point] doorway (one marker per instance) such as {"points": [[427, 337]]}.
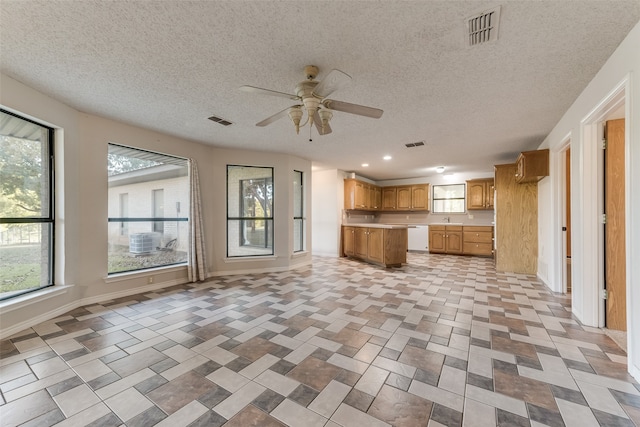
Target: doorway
{"points": [[567, 221], [614, 225]]}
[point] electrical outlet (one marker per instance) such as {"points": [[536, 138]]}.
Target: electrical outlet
{"points": [[150, 279], [470, 216]]}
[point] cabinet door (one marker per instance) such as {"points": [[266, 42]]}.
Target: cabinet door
{"points": [[376, 244], [476, 195], [491, 188], [454, 242], [348, 241], [361, 196], [361, 242], [404, 198], [389, 198], [375, 197], [420, 197], [437, 240]]}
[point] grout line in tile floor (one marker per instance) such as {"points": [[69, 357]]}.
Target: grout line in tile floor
{"points": [[440, 341]]}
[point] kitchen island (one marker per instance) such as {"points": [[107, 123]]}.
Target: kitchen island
{"points": [[381, 244]]}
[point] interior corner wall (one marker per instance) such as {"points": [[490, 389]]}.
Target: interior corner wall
{"points": [[81, 206], [623, 65]]}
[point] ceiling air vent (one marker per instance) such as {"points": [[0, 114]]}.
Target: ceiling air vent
{"points": [[483, 28], [414, 144], [220, 120]]}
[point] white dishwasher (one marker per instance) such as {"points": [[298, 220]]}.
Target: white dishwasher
{"points": [[418, 238]]}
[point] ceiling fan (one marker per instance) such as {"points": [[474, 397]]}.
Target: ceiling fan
{"points": [[312, 99]]}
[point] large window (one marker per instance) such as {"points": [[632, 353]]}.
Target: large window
{"points": [[249, 211], [26, 205], [298, 212], [448, 198], [148, 215]]}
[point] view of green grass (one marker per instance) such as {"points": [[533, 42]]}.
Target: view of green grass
{"points": [[19, 267]]}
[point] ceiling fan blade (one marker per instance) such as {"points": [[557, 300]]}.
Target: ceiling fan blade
{"points": [[327, 128], [262, 91], [347, 107], [332, 82], [275, 117]]}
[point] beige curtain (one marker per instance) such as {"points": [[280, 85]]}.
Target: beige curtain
{"points": [[197, 256]]}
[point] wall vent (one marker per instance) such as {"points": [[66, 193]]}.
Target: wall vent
{"points": [[414, 144], [483, 28], [220, 120]]}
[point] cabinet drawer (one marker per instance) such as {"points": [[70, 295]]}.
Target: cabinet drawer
{"points": [[477, 248], [477, 236]]}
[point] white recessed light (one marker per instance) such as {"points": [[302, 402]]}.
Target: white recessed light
{"points": [[365, 165], [440, 169], [387, 157]]}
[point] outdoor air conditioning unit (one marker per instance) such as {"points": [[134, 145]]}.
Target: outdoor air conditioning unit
{"points": [[143, 243]]}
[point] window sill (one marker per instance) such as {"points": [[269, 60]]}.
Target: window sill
{"points": [[120, 277], [251, 258], [33, 297]]}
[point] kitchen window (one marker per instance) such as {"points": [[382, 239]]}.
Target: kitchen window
{"points": [[26, 205], [249, 211], [448, 198]]}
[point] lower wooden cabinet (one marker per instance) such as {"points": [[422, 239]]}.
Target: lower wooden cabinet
{"points": [[445, 239], [477, 240], [382, 246], [457, 239]]}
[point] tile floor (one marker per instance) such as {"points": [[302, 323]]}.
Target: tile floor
{"points": [[442, 341]]}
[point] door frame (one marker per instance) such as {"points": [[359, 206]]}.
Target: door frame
{"points": [[591, 204], [560, 170]]}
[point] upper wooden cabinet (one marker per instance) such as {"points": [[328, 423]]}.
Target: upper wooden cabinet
{"points": [[480, 194], [359, 195], [389, 198], [413, 197], [532, 166]]}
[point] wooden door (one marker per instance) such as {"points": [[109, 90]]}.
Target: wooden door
{"points": [[389, 198], [361, 195], [420, 197], [348, 242], [376, 244], [437, 240], [404, 198], [361, 242], [615, 253]]}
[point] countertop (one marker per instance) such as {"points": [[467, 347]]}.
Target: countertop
{"points": [[378, 225]]}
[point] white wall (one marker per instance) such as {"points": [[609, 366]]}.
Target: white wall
{"points": [[81, 207], [327, 190], [619, 72]]}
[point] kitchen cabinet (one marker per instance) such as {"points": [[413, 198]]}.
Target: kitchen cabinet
{"points": [[480, 194], [389, 198], [382, 245], [348, 241], [412, 197], [532, 166], [375, 198], [516, 232], [477, 240], [357, 195], [445, 239]]}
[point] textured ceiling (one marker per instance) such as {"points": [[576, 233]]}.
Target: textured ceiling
{"points": [[168, 65]]}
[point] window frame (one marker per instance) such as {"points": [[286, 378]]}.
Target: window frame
{"points": [[242, 219], [49, 219], [301, 217], [151, 218], [434, 199]]}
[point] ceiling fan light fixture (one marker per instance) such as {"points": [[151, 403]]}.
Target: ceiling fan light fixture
{"points": [[325, 116], [295, 114]]}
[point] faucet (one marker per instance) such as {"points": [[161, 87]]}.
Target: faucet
{"points": [[446, 219]]}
